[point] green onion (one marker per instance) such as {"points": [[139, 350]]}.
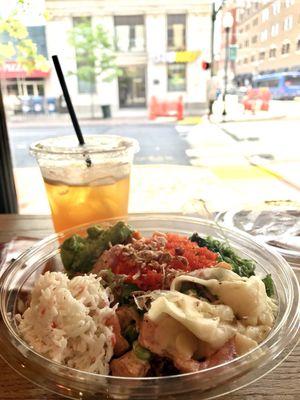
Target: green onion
{"points": [[141, 352]]}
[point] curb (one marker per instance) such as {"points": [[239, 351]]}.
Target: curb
{"points": [[269, 118]]}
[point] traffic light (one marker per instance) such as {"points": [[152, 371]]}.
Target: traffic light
{"points": [[205, 65]]}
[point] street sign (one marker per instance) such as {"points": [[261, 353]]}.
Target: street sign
{"points": [[232, 52]]}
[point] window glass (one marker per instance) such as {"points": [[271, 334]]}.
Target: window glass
{"points": [[272, 52], [265, 15], [176, 77], [130, 33], [292, 80], [276, 7], [288, 23], [176, 31]]}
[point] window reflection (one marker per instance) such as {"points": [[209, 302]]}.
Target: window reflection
{"points": [[176, 77], [176, 31], [130, 33]]}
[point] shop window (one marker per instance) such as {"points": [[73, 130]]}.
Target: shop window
{"points": [[176, 77], [84, 87], [176, 31], [130, 33]]}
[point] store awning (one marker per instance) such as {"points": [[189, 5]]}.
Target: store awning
{"points": [[11, 69]]}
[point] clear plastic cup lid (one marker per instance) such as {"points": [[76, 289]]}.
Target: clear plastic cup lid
{"points": [[277, 226], [108, 144]]}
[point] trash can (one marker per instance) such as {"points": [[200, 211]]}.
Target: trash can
{"points": [[106, 112]]}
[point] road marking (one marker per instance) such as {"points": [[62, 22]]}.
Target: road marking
{"points": [[240, 172], [190, 121]]}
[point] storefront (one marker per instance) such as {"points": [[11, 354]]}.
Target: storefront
{"points": [[22, 91], [132, 86]]}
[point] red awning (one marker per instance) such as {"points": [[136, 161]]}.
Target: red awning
{"points": [[11, 70]]}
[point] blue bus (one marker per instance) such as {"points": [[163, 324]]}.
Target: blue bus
{"points": [[282, 85]]}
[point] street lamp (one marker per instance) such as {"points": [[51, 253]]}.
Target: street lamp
{"points": [[227, 24]]}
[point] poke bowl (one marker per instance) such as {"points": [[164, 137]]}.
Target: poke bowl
{"points": [[157, 371]]}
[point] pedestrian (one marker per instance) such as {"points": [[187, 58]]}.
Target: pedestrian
{"points": [[212, 90]]}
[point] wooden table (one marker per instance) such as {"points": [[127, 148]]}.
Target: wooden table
{"points": [[281, 384]]}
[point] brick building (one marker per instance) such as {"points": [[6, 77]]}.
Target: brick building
{"points": [[268, 37]]}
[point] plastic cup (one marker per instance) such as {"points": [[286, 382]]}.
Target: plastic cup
{"points": [[86, 183]]}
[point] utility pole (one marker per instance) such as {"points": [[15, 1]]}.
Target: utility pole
{"points": [[214, 13]]}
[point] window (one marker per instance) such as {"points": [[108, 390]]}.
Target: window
{"points": [[247, 43], [262, 55], [265, 15], [285, 49], [289, 3], [246, 60], [247, 27], [254, 39], [288, 23], [274, 30], [255, 22], [266, 83], [176, 77], [84, 86], [272, 52], [130, 33], [176, 31], [298, 45], [264, 35], [252, 58], [276, 7], [291, 80]]}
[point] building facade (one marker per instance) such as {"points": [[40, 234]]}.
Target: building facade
{"points": [[160, 47], [15, 80], [268, 37]]}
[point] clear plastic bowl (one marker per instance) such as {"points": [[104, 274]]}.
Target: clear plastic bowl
{"points": [[19, 278]]}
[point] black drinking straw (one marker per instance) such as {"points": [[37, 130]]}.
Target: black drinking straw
{"points": [[67, 97]]}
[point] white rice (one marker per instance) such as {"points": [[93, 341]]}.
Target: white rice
{"points": [[66, 321]]}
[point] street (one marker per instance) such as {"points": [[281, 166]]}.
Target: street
{"points": [[159, 143], [229, 165]]}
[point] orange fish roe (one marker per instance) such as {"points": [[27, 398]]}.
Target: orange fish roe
{"points": [[198, 257]]}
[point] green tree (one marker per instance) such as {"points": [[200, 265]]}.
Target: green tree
{"points": [[95, 56], [16, 45]]}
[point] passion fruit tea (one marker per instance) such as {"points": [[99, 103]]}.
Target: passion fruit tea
{"points": [[82, 192], [72, 205]]}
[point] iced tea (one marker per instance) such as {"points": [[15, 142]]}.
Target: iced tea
{"points": [[86, 183], [72, 205]]}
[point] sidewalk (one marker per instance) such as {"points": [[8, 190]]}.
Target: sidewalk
{"points": [[123, 116]]}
